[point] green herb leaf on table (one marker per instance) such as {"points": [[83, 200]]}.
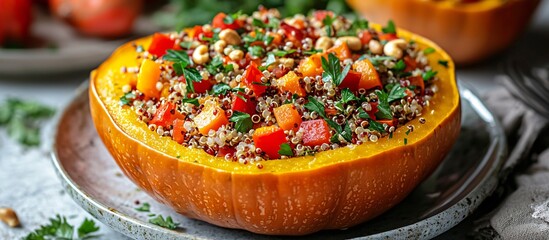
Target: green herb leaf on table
{"points": [[390, 28], [59, 228], [243, 121], [286, 150], [145, 207], [332, 70], [22, 120], [166, 223]]}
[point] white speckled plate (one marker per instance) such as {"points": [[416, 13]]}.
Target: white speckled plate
{"points": [[468, 175]]}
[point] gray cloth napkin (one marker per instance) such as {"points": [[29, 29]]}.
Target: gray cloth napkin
{"points": [[524, 214]]}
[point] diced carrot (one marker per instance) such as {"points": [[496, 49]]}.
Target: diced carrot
{"points": [[252, 78], [389, 122], [418, 82], [212, 117], [342, 51], [316, 132], [287, 117], [311, 66], [387, 36], [369, 78], [166, 114], [160, 44], [248, 105], [148, 76], [290, 83], [351, 81], [269, 139], [179, 130]]}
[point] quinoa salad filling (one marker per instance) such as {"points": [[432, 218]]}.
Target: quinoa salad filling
{"points": [[262, 87]]}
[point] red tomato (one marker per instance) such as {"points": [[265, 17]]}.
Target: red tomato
{"points": [[252, 78], [166, 114], [351, 80], [199, 87], [365, 37], [101, 18], [15, 20], [269, 140], [292, 32], [240, 105]]}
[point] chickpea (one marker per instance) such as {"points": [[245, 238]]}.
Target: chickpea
{"points": [[220, 45], [353, 42], [230, 36], [395, 48], [201, 55], [236, 55], [375, 47], [324, 43]]}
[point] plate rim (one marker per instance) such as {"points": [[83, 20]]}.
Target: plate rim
{"points": [[483, 189]]}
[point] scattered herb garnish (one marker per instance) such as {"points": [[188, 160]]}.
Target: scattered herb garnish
{"points": [[286, 150], [256, 51], [180, 61], [357, 25], [428, 75], [315, 106], [443, 63], [59, 228], [223, 88], [258, 23], [383, 105], [407, 132], [312, 51], [259, 36], [270, 60], [22, 119], [243, 121], [346, 96], [428, 51], [282, 53], [332, 70], [390, 28], [145, 207], [186, 44], [229, 19], [166, 223], [376, 60], [396, 93], [214, 65], [328, 21], [405, 141], [126, 99], [376, 126], [399, 66]]}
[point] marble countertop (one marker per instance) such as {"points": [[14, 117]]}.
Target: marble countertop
{"points": [[28, 183]]}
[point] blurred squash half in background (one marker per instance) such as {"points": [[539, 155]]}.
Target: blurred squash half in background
{"points": [[470, 30]]}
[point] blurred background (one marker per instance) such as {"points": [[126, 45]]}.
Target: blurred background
{"points": [[48, 48]]}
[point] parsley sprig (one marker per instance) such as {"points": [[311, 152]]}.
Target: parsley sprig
{"points": [[332, 70], [181, 61], [390, 28], [167, 222], [22, 120], [59, 228], [243, 121], [315, 106], [286, 150]]}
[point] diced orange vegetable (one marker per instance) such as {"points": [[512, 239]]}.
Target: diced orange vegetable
{"points": [[166, 114], [316, 132], [287, 117], [212, 117], [418, 82], [148, 76], [277, 38], [311, 66], [269, 140], [369, 78], [388, 36], [252, 78], [179, 130], [342, 51], [390, 122], [290, 83]]}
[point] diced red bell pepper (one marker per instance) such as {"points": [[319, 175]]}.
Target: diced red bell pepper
{"points": [[351, 81], [224, 151], [372, 113], [219, 22], [269, 139], [418, 82], [199, 87], [316, 132], [240, 105], [198, 33], [411, 64], [365, 37], [166, 114], [388, 36], [252, 78], [292, 32], [321, 14], [160, 44], [179, 130]]}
